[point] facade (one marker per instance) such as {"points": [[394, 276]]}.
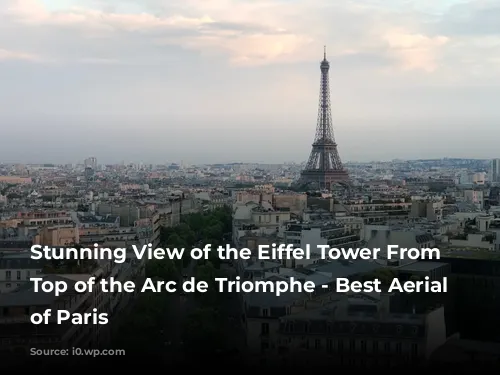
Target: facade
{"points": [[494, 170], [16, 270], [360, 333], [58, 235], [42, 218], [18, 334], [340, 329]]}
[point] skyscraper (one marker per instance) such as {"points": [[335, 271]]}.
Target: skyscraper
{"points": [[495, 170]]}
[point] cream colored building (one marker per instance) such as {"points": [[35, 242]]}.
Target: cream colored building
{"points": [[57, 235]]}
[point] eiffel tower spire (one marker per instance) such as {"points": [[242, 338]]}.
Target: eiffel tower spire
{"points": [[324, 166]]}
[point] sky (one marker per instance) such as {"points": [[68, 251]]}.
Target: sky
{"points": [[207, 81]]}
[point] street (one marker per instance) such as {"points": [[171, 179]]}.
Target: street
{"points": [[233, 330], [180, 305]]}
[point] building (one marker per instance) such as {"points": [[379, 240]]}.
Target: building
{"points": [[494, 175], [63, 235], [15, 180], [18, 334], [317, 233], [16, 270], [359, 332], [42, 218]]}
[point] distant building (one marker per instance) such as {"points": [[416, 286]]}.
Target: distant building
{"points": [[15, 180]]}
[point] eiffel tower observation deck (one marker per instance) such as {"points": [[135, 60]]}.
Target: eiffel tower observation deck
{"points": [[324, 167]]}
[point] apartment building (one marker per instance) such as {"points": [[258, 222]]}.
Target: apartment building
{"points": [[254, 215], [376, 210], [475, 276], [301, 234], [16, 270], [296, 203], [62, 235], [18, 334], [15, 180], [267, 308], [100, 235], [355, 331], [45, 218], [428, 208], [96, 221]]}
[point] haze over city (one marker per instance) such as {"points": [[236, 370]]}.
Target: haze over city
{"points": [[224, 80]]}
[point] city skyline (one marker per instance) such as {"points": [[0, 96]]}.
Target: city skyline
{"points": [[119, 81]]}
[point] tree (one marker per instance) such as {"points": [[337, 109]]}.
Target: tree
{"points": [[385, 275], [140, 330], [201, 330], [164, 269], [207, 272], [174, 240], [414, 278]]}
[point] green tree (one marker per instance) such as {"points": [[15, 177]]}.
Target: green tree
{"points": [[385, 275], [175, 241], [164, 269], [415, 278], [140, 330], [207, 272], [201, 330]]}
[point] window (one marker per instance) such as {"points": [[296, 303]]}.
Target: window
{"points": [[264, 346], [8, 285], [27, 274], [18, 274], [329, 345], [317, 344], [414, 349], [265, 312], [8, 275], [277, 218], [264, 330], [399, 348]]}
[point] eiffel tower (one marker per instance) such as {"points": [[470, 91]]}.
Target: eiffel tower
{"points": [[324, 167]]}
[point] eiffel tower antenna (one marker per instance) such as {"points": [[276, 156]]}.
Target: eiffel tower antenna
{"points": [[324, 165]]}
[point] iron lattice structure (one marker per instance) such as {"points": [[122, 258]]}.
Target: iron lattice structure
{"points": [[324, 167]]}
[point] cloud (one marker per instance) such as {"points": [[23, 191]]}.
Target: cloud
{"points": [[415, 51], [15, 55], [474, 18], [257, 32]]}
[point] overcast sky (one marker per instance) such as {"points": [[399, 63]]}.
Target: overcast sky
{"points": [[238, 80]]}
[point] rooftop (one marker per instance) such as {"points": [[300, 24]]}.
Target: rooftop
{"points": [[343, 268], [97, 219], [26, 295], [470, 253], [421, 266]]}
